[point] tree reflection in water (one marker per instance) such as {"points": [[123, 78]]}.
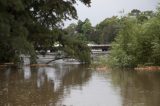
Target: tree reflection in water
{"points": [[42, 86], [138, 88], [50, 86]]}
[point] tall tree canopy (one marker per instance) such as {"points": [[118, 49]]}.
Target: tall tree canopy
{"points": [[108, 29], [28, 24]]}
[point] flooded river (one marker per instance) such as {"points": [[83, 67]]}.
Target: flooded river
{"points": [[78, 85]]}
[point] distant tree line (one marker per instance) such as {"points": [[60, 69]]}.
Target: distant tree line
{"points": [[105, 31], [102, 33], [135, 37]]}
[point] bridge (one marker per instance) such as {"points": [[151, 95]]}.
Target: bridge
{"points": [[102, 47], [96, 50]]}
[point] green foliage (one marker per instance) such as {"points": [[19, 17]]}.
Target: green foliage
{"points": [[152, 31], [137, 43], [76, 48], [135, 12], [124, 47], [28, 25], [79, 26], [86, 27], [141, 16], [104, 32], [108, 29]]}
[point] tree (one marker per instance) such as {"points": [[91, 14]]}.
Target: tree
{"points": [[71, 29], [28, 24], [141, 16], [138, 43], [75, 47], [135, 12], [108, 29], [79, 26], [124, 47], [153, 35]]}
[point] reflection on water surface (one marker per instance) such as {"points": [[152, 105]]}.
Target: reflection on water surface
{"points": [[77, 85]]}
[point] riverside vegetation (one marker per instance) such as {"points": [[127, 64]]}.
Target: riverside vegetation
{"points": [[135, 38], [35, 25], [27, 26], [138, 42]]}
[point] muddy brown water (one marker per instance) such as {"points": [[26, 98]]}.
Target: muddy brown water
{"points": [[78, 85]]}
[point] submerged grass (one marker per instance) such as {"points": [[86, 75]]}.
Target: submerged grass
{"points": [[100, 63]]}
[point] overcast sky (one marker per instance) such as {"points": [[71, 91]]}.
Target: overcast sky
{"points": [[101, 9]]}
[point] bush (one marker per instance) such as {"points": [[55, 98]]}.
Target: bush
{"points": [[137, 44]]}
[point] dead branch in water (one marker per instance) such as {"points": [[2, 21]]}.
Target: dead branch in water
{"points": [[56, 59]]}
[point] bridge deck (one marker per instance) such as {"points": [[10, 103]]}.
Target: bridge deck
{"points": [[104, 47]]}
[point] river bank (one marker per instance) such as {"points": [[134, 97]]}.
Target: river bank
{"points": [[147, 68]]}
